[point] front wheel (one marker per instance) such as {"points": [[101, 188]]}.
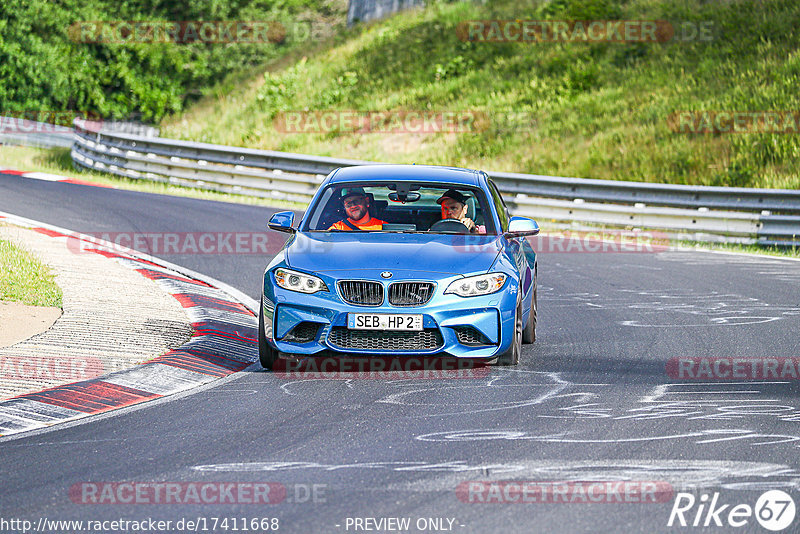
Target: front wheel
{"points": [[529, 334], [511, 356], [266, 354]]}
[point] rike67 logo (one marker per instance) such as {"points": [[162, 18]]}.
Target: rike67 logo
{"points": [[774, 510]]}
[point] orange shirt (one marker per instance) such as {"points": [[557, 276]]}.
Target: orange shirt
{"points": [[372, 224]]}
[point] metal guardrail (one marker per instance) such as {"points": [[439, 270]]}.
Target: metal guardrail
{"points": [[701, 213], [19, 131], [365, 10]]}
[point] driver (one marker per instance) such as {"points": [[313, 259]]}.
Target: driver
{"points": [[356, 206], [454, 206]]}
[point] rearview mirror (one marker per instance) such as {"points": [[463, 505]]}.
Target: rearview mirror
{"points": [[404, 197], [521, 226], [282, 222]]}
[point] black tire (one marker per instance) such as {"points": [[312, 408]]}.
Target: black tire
{"points": [[266, 354], [529, 334], [511, 356]]}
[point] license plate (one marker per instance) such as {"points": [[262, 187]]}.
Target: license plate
{"points": [[383, 321]]}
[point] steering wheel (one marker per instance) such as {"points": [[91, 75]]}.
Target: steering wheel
{"points": [[449, 226]]}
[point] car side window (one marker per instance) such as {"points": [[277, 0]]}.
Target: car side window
{"points": [[322, 218], [499, 206]]}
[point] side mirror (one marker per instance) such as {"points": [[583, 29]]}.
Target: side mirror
{"points": [[282, 222], [521, 226]]}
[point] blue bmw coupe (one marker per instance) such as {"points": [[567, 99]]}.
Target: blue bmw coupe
{"points": [[401, 260]]}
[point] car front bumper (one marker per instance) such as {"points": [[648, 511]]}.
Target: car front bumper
{"points": [[463, 327]]}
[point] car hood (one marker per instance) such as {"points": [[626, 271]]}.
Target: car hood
{"points": [[344, 251]]}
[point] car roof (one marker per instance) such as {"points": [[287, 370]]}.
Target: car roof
{"points": [[427, 173]]}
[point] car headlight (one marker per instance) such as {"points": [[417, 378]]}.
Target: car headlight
{"points": [[483, 284], [295, 281]]}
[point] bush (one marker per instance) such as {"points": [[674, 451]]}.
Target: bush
{"points": [[46, 68]]}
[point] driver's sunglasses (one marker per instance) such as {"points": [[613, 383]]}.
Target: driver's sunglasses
{"points": [[360, 201]]}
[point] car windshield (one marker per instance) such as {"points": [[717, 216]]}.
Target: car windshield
{"points": [[401, 207]]}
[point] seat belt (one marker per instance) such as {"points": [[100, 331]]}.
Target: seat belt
{"points": [[350, 225]]}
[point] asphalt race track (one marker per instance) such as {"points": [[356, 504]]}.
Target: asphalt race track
{"points": [[591, 401]]}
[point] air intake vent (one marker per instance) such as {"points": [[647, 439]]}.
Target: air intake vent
{"points": [[470, 336], [378, 341], [303, 332]]}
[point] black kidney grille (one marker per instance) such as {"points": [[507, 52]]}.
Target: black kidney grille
{"points": [[410, 293], [361, 292], [379, 340]]}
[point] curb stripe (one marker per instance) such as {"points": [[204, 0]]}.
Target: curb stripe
{"points": [[246, 334], [215, 354], [190, 301], [156, 275], [227, 335], [53, 178], [80, 182], [91, 397], [123, 258], [201, 363], [161, 379], [51, 233], [223, 342]]}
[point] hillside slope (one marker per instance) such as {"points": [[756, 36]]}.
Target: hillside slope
{"points": [[587, 109]]}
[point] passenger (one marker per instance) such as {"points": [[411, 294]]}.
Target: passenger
{"points": [[454, 206], [356, 206]]}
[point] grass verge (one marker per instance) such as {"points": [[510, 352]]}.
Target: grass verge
{"points": [[23, 278]]}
